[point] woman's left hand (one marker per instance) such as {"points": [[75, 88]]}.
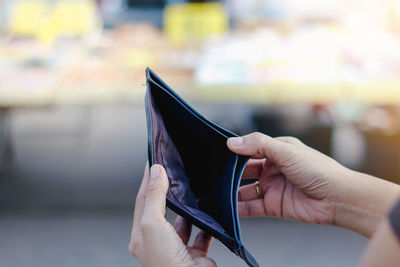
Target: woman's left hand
{"points": [[154, 241]]}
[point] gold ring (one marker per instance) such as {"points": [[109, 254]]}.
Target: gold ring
{"points": [[258, 189]]}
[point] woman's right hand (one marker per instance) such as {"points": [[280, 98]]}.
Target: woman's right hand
{"points": [[300, 183]]}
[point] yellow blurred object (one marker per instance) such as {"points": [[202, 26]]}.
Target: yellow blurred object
{"points": [[140, 59], [194, 21], [47, 21], [28, 17], [74, 17]]}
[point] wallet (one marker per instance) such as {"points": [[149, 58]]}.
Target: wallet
{"points": [[204, 175]]}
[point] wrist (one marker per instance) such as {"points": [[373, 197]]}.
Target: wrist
{"points": [[363, 202]]}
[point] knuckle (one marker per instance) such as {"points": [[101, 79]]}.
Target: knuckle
{"points": [[293, 140], [261, 143], [258, 136], [290, 140]]}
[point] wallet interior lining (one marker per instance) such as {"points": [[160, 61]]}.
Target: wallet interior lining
{"points": [[183, 142]]}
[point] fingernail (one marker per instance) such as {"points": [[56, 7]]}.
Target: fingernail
{"points": [[155, 171], [236, 141]]}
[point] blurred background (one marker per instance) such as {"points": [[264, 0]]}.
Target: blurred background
{"points": [[72, 123]]}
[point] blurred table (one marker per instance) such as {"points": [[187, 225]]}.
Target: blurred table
{"points": [[376, 93], [275, 93]]}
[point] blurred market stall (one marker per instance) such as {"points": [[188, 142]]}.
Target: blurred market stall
{"points": [[57, 51], [341, 59]]}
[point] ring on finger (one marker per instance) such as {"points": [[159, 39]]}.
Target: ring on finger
{"points": [[258, 191]]}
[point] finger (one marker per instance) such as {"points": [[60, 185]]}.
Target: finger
{"points": [[155, 196], [253, 169], [139, 203], [248, 192], [258, 145], [290, 140], [257, 156], [268, 176], [183, 229], [270, 170], [203, 242], [272, 202], [257, 168], [251, 208]]}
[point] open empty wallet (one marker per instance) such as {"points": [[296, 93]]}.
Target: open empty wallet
{"points": [[204, 175]]}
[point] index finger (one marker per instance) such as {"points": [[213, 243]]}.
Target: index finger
{"points": [[259, 145], [139, 203]]}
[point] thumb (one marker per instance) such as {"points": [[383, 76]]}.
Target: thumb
{"points": [[155, 194], [259, 145]]}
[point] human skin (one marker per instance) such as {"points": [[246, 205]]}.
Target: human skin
{"points": [[154, 241], [302, 184], [296, 182], [383, 249]]}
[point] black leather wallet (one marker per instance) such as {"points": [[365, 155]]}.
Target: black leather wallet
{"points": [[204, 175]]}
